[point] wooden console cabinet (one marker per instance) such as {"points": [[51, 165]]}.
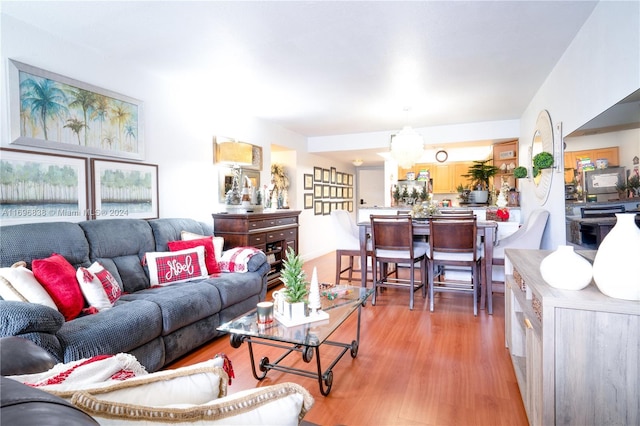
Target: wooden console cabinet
{"points": [[272, 232], [575, 353]]}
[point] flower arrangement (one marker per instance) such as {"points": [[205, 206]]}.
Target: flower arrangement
{"points": [[503, 214]]}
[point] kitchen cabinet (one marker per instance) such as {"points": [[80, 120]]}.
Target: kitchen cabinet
{"points": [[272, 232], [575, 353], [505, 157], [445, 177], [571, 159]]}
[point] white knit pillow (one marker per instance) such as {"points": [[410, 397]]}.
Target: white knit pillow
{"points": [[18, 283], [218, 242]]}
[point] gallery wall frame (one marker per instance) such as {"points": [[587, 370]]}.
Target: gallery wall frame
{"points": [[42, 187], [308, 200], [317, 207], [317, 174], [123, 189], [49, 110], [308, 181]]}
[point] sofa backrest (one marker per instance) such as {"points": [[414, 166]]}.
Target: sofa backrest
{"points": [[170, 229], [40, 240], [120, 245]]}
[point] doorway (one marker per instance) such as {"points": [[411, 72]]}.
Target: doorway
{"points": [[370, 187]]}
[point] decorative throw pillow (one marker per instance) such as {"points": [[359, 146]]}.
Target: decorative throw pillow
{"points": [[58, 277], [18, 283], [281, 404], [236, 259], [218, 242], [176, 266], [209, 251], [99, 287]]}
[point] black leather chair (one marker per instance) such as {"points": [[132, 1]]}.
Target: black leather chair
{"points": [[23, 405]]}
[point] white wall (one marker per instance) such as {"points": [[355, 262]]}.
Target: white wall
{"points": [[600, 67], [179, 127]]}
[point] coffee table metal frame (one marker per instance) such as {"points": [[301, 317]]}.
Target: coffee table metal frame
{"points": [[304, 339]]}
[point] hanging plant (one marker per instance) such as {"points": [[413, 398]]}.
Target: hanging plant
{"points": [[520, 172]]}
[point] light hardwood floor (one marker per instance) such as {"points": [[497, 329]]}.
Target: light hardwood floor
{"points": [[417, 367]]}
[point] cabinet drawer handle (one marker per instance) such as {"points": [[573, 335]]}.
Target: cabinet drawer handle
{"points": [[527, 323]]}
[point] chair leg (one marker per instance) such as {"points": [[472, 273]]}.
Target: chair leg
{"points": [[423, 277], [476, 282], [338, 266], [374, 266], [413, 282], [350, 269], [430, 278]]}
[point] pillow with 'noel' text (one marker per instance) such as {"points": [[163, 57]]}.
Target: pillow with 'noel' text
{"points": [[176, 266]]}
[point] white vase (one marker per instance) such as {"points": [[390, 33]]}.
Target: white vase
{"points": [[616, 268], [294, 311], [565, 269]]}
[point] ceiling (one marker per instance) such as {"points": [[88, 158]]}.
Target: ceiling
{"points": [[333, 67]]}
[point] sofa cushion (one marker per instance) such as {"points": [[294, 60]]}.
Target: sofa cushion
{"points": [[122, 328], [209, 251], [218, 242], [180, 304], [119, 245], [98, 286], [170, 229], [177, 266], [234, 287], [18, 283], [38, 240], [58, 277]]}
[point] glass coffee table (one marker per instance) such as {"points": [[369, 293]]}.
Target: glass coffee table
{"points": [[305, 338]]}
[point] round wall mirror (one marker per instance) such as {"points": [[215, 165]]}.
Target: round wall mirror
{"points": [[542, 141]]}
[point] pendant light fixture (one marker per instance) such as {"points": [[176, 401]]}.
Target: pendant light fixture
{"points": [[407, 146]]}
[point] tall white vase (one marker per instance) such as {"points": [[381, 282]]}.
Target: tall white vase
{"points": [[565, 269], [616, 268]]}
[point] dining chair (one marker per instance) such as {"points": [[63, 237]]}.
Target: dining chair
{"points": [[528, 236], [453, 243], [347, 245], [392, 243]]}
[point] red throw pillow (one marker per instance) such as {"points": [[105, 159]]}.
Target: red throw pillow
{"points": [[209, 251], [58, 277]]}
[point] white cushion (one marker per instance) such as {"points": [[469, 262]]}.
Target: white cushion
{"points": [[18, 283], [218, 242], [98, 286], [282, 404]]}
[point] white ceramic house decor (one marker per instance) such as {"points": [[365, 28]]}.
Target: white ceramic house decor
{"points": [[565, 269], [616, 268]]}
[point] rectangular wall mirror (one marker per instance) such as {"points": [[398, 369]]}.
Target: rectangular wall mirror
{"points": [[226, 181]]}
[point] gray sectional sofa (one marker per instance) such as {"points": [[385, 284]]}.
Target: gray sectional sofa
{"points": [[155, 324]]}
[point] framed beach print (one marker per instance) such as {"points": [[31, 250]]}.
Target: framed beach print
{"points": [[124, 190], [48, 110], [39, 187]]}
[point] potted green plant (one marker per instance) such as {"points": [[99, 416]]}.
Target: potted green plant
{"points": [[479, 174], [520, 172], [542, 160], [633, 185], [295, 285]]}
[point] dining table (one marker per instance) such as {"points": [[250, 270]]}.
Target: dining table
{"points": [[486, 230]]}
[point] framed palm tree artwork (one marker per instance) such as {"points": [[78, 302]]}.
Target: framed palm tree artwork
{"points": [[48, 110]]}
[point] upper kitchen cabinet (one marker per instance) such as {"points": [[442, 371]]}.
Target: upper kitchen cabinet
{"points": [[611, 154], [505, 157]]}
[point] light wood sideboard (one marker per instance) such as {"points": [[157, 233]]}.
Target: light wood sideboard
{"points": [[576, 354]]}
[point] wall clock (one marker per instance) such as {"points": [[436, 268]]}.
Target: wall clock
{"points": [[441, 156]]}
